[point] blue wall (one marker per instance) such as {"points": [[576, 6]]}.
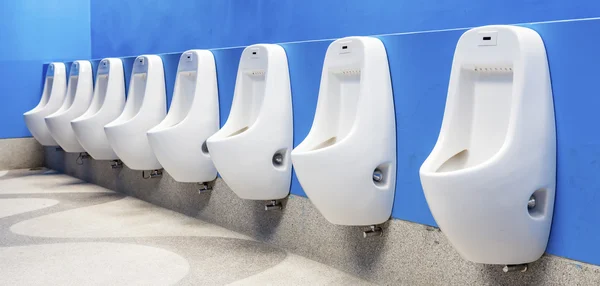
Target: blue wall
{"points": [[33, 32], [134, 27]]}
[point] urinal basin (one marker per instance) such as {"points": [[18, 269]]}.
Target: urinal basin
{"points": [[483, 210], [107, 104], [79, 94], [347, 163], [251, 151], [490, 179], [179, 140], [242, 164], [145, 108], [53, 96]]}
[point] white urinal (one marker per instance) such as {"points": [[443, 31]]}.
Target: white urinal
{"points": [[490, 179], [55, 87], [179, 140], [146, 107], [347, 163], [107, 104], [77, 101], [251, 151]]}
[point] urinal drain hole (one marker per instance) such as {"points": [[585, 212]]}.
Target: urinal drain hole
{"points": [[536, 204], [205, 148], [531, 202], [377, 176], [278, 159], [380, 175]]}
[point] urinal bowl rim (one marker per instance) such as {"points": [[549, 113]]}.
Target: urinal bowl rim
{"points": [[304, 150], [118, 122], [217, 137], [35, 110], [78, 121], [158, 129], [68, 112], [175, 126], [427, 168]]}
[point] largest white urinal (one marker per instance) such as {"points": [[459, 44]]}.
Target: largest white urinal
{"points": [[179, 140], [490, 179], [347, 163], [146, 107], [55, 87], [251, 151], [107, 104], [77, 101]]}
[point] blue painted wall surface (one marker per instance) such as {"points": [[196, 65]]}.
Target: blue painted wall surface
{"points": [[133, 27], [33, 32]]}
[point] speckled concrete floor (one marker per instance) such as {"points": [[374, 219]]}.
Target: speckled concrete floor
{"points": [[59, 230]]}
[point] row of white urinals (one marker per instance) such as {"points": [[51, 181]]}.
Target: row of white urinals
{"points": [[489, 181]]}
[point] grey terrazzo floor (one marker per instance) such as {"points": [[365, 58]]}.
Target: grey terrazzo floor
{"points": [[407, 253], [59, 230]]}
